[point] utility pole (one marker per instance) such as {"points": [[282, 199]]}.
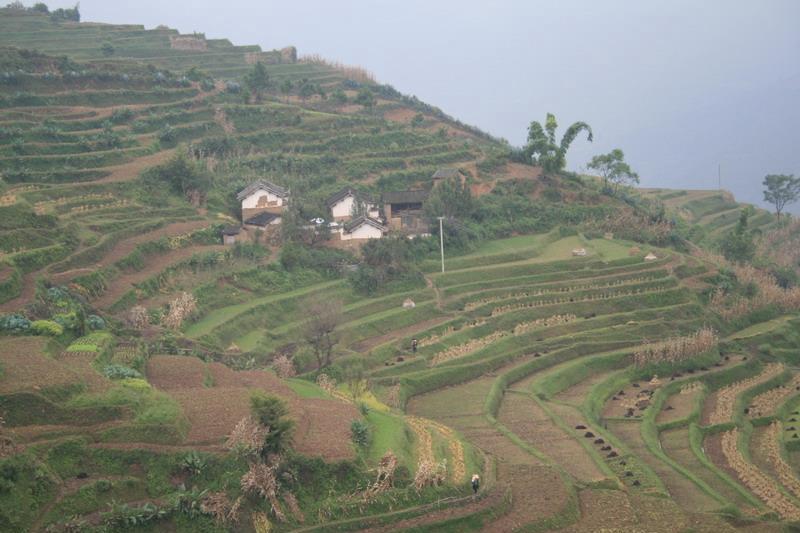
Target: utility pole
{"points": [[719, 176], [441, 241]]}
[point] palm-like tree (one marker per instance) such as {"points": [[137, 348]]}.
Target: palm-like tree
{"points": [[542, 148]]}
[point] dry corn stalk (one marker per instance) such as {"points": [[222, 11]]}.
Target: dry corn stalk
{"points": [[430, 474], [260, 479], [179, 310], [326, 383], [676, 349], [761, 484], [248, 437], [726, 397]]}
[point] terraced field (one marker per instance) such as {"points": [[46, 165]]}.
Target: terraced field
{"points": [[527, 368]]}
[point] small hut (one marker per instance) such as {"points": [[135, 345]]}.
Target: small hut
{"points": [[230, 234], [650, 257], [408, 303], [579, 252]]}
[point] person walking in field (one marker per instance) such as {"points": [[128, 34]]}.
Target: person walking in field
{"points": [[414, 345], [476, 484]]}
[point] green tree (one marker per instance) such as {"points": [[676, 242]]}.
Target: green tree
{"points": [[542, 148], [339, 96], [286, 88], [781, 190], [180, 175], [450, 199], [257, 81], [614, 170], [40, 7], [306, 90], [107, 49], [738, 244], [365, 98], [272, 413]]}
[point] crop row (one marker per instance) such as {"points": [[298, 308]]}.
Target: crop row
{"points": [[616, 282], [785, 472], [726, 397], [765, 403], [588, 298], [756, 480]]}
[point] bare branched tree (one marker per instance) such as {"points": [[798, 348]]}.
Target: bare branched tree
{"points": [[319, 328]]}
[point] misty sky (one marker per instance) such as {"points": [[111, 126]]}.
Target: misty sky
{"points": [[681, 86]]}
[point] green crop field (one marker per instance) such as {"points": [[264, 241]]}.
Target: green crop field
{"points": [[603, 360]]}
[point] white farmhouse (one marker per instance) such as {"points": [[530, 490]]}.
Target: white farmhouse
{"points": [[362, 228], [348, 203], [262, 196]]}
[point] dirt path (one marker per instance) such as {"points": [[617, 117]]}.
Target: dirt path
{"points": [[156, 264], [431, 285], [26, 295]]}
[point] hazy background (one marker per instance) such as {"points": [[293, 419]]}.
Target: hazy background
{"points": [[680, 85]]}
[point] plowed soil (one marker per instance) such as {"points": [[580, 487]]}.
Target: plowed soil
{"points": [[215, 398]]}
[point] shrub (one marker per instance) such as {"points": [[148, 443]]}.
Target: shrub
{"points": [[47, 327], [95, 322], [271, 412], [359, 432], [115, 371], [14, 324]]}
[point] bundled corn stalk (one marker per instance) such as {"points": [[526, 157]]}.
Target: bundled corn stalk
{"points": [[284, 367], [218, 505], [138, 317], [555, 320], [430, 474], [761, 484], [261, 523], [689, 388], [179, 310], [384, 479], [454, 352], [433, 339], [676, 349], [291, 502], [765, 403], [785, 472], [326, 383], [393, 396], [248, 437], [425, 442], [726, 397], [260, 480]]}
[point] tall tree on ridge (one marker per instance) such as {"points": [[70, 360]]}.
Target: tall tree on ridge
{"points": [[542, 148]]}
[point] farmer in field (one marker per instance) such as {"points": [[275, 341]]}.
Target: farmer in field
{"points": [[414, 345], [476, 484]]}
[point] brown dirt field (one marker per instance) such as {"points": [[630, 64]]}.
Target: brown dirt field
{"points": [[537, 490], [82, 364], [126, 246], [526, 419], [399, 115], [538, 493], [323, 425], [175, 372], [520, 171], [131, 170], [26, 368], [682, 405], [155, 264], [712, 445], [615, 511], [328, 433], [687, 495], [576, 394]]}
